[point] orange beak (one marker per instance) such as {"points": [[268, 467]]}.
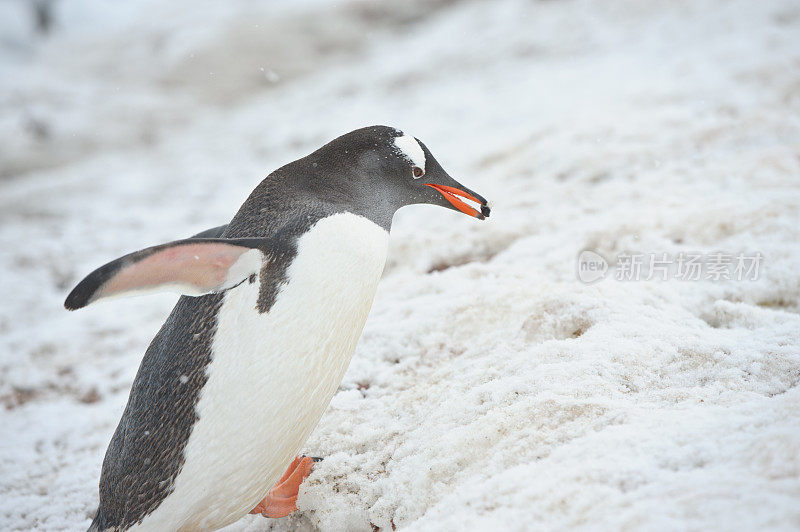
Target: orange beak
{"points": [[452, 195]]}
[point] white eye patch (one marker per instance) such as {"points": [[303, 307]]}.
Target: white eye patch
{"points": [[410, 148]]}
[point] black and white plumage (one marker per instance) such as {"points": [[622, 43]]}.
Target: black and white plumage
{"points": [[243, 368]]}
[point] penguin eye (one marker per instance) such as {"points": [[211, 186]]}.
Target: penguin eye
{"points": [[418, 172]]}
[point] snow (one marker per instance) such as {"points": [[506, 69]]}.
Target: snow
{"points": [[491, 389]]}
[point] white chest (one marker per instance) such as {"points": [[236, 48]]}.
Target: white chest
{"points": [[272, 375]]}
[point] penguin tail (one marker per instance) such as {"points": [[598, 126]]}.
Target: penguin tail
{"points": [[98, 523], [95, 526]]}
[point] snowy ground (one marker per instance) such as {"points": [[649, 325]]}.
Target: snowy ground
{"points": [[491, 389]]}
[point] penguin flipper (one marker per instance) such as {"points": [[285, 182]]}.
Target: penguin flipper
{"points": [[214, 232], [194, 266]]}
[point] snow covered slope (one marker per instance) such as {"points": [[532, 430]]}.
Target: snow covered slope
{"points": [[491, 388]]}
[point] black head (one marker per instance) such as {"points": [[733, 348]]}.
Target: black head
{"points": [[380, 169]]}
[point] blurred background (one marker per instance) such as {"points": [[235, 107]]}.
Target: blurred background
{"points": [[491, 387]]}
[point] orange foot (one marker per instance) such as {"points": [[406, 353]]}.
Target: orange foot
{"points": [[282, 498]]}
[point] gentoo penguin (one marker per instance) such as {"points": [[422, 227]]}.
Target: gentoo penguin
{"points": [[273, 305]]}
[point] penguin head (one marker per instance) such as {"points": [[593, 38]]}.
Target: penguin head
{"points": [[386, 169]]}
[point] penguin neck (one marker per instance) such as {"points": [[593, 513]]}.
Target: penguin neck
{"points": [[286, 199]]}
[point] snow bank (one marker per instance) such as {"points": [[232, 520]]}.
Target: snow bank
{"points": [[491, 388]]}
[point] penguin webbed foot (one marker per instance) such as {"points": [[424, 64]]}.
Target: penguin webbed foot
{"points": [[282, 498]]}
